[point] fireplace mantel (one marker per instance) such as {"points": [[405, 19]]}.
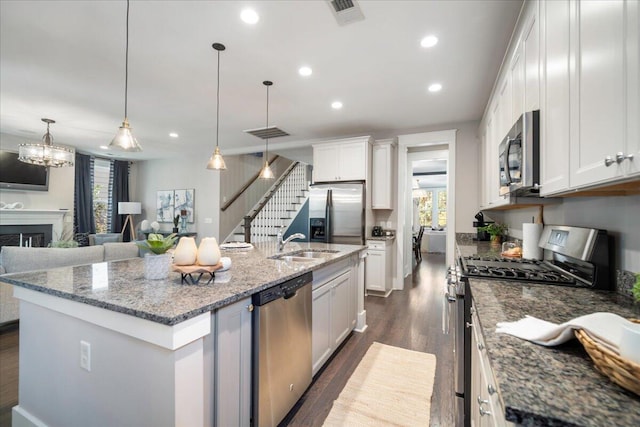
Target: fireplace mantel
{"points": [[35, 217]]}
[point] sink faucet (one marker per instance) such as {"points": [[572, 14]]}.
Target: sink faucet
{"points": [[282, 243]]}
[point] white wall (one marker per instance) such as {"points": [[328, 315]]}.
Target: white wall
{"points": [[188, 171], [620, 216]]}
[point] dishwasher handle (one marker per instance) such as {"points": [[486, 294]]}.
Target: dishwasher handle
{"points": [[289, 293]]}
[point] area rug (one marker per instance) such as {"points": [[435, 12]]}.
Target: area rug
{"points": [[391, 386]]}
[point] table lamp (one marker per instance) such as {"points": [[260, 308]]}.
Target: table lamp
{"points": [[129, 209]]}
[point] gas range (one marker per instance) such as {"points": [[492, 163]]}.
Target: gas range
{"points": [[515, 269], [579, 257]]}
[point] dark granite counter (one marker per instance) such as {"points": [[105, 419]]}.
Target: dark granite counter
{"points": [[120, 286], [555, 386]]}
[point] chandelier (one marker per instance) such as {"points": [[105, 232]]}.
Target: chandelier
{"points": [[46, 154]]}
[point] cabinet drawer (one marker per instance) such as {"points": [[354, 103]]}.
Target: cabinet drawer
{"points": [[376, 244]]}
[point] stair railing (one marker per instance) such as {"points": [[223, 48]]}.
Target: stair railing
{"points": [[245, 187], [274, 207]]}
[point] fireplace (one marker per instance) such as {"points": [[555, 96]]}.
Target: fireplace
{"points": [[36, 235]]}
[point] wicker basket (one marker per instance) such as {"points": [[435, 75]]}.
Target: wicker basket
{"points": [[621, 371]]}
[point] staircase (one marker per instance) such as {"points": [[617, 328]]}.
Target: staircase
{"points": [[277, 208]]}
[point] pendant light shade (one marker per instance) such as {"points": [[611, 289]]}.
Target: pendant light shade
{"points": [[216, 161], [124, 139], [266, 172], [46, 154]]}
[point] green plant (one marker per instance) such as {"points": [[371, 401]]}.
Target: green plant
{"points": [[157, 243], [495, 229], [636, 288]]}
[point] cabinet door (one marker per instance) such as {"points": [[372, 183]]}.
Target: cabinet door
{"points": [[353, 161], [598, 92], [325, 163], [321, 326], [340, 303], [381, 177], [531, 52], [374, 270], [517, 85], [631, 167], [233, 364], [555, 111]]}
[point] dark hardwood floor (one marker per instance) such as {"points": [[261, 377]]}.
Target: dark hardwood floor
{"points": [[412, 319]]}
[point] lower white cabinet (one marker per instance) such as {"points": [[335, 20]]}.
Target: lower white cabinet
{"points": [[378, 267], [232, 372], [486, 407], [333, 316]]}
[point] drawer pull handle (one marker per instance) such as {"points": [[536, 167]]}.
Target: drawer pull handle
{"points": [[250, 307], [491, 389], [480, 346], [482, 402], [469, 325], [608, 161], [484, 412]]}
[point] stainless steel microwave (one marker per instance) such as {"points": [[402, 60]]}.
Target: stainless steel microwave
{"points": [[519, 157]]}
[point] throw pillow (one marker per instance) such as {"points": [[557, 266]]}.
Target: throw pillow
{"points": [[82, 239]]}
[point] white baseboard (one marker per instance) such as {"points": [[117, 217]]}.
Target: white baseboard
{"points": [[22, 418]]}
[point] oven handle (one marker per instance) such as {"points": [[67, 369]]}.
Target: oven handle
{"points": [[446, 316]]}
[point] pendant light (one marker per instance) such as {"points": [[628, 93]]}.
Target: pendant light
{"points": [[124, 140], [216, 161], [46, 154], [266, 172]]}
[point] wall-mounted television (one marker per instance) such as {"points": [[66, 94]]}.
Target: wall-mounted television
{"points": [[17, 175]]}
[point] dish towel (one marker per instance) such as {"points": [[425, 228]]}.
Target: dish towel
{"points": [[606, 328]]}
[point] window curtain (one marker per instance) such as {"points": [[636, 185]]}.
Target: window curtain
{"points": [[119, 192], [83, 220]]}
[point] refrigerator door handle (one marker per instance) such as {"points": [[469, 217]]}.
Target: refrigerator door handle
{"points": [[327, 214]]}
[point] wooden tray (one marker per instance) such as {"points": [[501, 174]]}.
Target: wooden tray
{"points": [[187, 272]]}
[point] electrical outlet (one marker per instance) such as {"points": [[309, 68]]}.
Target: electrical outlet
{"points": [[85, 356]]}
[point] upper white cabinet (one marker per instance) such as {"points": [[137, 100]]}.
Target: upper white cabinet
{"points": [[344, 160], [383, 159], [555, 109]]}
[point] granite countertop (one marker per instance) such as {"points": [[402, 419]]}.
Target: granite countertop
{"points": [[120, 285], [559, 385], [382, 238], [539, 385]]}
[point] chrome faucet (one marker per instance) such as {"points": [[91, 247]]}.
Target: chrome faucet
{"points": [[282, 243]]}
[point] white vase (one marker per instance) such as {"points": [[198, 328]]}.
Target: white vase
{"points": [[156, 267], [186, 252], [208, 252]]}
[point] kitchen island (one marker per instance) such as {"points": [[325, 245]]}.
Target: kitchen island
{"points": [[547, 386], [100, 345]]}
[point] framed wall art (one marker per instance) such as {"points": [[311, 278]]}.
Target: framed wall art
{"points": [[164, 206], [183, 202]]}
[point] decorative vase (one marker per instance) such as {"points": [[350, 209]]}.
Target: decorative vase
{"points": [[496, 240], [186, 252], [209, 251], [156, 267]]}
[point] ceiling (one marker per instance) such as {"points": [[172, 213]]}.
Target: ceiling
{"points": [[64, 60]]}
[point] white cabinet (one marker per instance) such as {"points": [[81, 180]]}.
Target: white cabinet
{"points": [[555, 107], [378, 267], [333, 315], [341, 161], [383, 159], [233, 364], [486, 407], [531, 55]]}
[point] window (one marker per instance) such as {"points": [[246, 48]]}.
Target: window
{"points": [[432, 206], [101, 170]]}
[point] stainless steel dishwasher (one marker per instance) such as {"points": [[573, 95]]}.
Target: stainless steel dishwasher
{"points": [[282, 349]]}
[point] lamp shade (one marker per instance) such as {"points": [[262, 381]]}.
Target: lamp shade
{"points": [[129, 208]]}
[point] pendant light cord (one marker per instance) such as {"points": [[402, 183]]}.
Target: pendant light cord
{"points": [[218, 102], [266, 154], [126, 66]]}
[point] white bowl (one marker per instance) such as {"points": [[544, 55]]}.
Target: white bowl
{"points": [[630, 342]]}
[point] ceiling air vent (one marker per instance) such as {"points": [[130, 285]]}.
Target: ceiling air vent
{"points": [[346, 11], [267, 133]]}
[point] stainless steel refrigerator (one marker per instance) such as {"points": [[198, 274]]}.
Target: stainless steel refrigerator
{"points": [[336, 213]]}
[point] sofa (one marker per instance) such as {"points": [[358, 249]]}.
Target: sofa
{"points": [[14, 259]]}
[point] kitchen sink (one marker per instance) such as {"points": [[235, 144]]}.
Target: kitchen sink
{"points": [[306, 255], [290, 258]]}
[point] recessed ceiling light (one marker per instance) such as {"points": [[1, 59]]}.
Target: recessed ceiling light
{"points": [[249, 16], [104, 147], [436, 87], [173, 135], [305, 71], [429, 41], [336, 105]]}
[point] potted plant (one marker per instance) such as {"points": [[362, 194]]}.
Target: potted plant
{"points": [[176, 219], [636, 288], [157, 261], [496, 230]]}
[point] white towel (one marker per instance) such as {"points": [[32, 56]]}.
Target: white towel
{"points": [[603, 327]]}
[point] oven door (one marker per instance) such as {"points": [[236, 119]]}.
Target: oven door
{"points": [[454, 324]]}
